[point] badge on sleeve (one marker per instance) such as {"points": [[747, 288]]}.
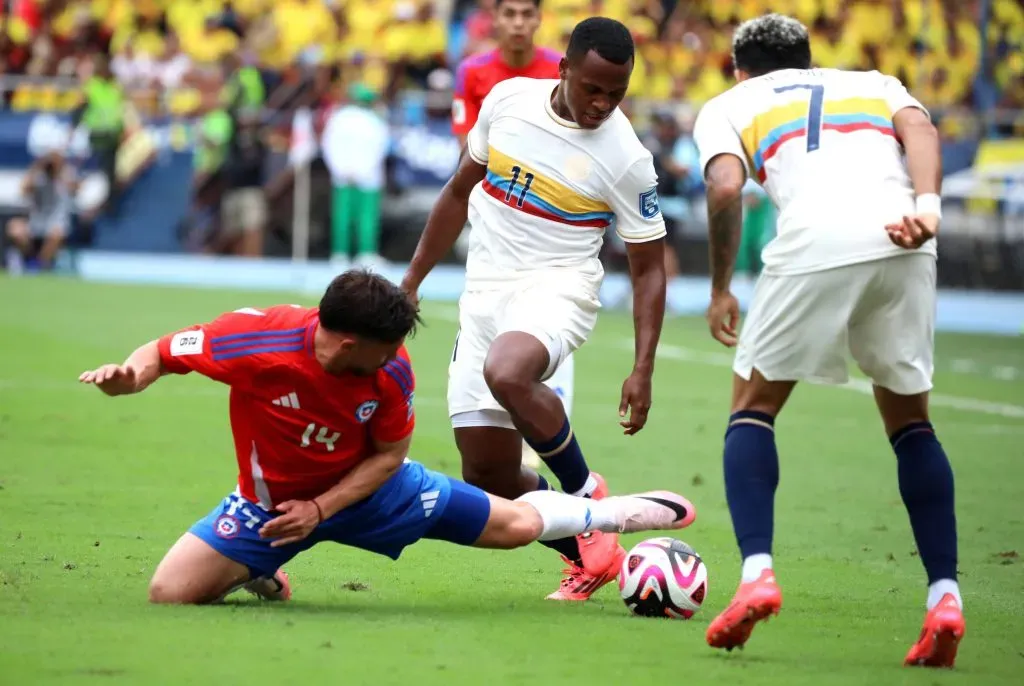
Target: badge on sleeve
{"points": [[649, 204], [458, 111], [187, 343]]}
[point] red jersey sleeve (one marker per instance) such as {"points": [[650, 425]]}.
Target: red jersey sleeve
{"points": [[465, 106], [394, 419], [223, 349]]}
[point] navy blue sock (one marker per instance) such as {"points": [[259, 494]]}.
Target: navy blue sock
{"points": [[751, 476], [564, 458], [567, 547], [926, 484]]}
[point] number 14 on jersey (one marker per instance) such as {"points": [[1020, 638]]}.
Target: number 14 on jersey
{"points": [[322, 436]]}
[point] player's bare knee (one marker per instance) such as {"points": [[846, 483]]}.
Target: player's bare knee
{"points": [[522, 527], [165, 592], [506, 381]]}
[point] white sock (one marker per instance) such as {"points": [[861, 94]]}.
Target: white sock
{"points": [[754, 565], [565, 516], [588, 488], [941, 588]]}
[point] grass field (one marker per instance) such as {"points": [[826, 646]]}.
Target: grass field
{"points": [[93, 490]]}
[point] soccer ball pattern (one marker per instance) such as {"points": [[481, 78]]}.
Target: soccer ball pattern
{"points": [[663, 577]]}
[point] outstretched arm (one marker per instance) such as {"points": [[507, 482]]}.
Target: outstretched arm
{"points": [[141, 369], [446, 220]]}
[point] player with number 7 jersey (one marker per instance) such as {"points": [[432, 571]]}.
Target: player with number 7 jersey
{"points": [[322, 419]]}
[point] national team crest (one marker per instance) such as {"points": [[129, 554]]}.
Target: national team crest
{"points": [[649, 208], [226, 526], [366, 410]]}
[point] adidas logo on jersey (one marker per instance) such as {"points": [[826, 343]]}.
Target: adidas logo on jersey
{"points": [[290, 400], [429, 500]]}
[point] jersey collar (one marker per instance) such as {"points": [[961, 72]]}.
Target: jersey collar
{"points": [[558, 120]]}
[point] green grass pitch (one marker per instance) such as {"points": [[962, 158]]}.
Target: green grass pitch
{"points": [[93, 490]]}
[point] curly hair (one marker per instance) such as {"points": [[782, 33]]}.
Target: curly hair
{"points": [[769, 43]]}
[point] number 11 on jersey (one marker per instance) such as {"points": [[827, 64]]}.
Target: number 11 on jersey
{"points": [[527, 182]]}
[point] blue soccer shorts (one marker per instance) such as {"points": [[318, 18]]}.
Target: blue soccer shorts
{"points": [[413, 504]]}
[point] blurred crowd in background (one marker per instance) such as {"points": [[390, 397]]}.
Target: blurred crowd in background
{"points": [[239, 70]]}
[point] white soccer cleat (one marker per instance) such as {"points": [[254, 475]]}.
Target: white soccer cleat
{"points": [[651, 511]]}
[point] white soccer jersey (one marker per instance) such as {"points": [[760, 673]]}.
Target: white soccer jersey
{"points": [[552, 188], [822, 144]]}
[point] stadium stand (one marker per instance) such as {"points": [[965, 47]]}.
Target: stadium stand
{"points": [[178, 61]]}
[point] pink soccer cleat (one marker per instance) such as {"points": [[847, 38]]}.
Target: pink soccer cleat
{"points": [[275, 588], [651, 511]]}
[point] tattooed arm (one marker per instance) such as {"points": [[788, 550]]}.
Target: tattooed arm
{"points": [[723, 162], [725, 178]]}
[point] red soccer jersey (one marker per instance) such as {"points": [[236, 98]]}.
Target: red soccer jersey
{"points": [[297, 429], [477, 75]]}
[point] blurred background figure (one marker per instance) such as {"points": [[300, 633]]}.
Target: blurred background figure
{"points": [[49, 187], [355, 145]]}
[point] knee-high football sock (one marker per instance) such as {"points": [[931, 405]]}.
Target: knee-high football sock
{"points": [[926, 485], [751, 476], [565, 516], [562, 454], [566, 547]]}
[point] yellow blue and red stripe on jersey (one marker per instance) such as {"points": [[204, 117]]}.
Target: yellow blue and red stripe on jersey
{"points": [[255, 342], [771, 129], [524, 189]]}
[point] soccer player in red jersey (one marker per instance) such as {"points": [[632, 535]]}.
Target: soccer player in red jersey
{"points": [[322, 417], [515, 23]]}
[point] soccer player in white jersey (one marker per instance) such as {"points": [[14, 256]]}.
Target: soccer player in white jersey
{"points": [[853, 163], [549, 165]]}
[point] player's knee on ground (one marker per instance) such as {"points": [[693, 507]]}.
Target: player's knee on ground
{"points": [[167, 591], [513, 525]]}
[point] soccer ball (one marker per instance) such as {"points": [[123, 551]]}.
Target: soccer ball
{"points": [[663, 577]]}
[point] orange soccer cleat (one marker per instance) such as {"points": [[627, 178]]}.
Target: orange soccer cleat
{"points": [[940, 636], [578, 584], [598, 550], [601, 555], [754, 601]]}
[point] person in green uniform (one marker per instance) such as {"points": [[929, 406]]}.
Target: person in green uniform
{"points": [[355, 145]]}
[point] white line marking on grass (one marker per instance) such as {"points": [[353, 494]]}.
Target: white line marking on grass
{"points": [[674, 352]]}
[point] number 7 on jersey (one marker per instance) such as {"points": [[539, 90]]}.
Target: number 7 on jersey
{"points": [[814, 111]]}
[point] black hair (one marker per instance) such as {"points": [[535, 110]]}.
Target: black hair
{"points": [[770, 43], [535, 3], [368, 305], [610, 39]]}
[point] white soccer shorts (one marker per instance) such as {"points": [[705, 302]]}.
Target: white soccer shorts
{"points": [[559, 314], [800, 327]]}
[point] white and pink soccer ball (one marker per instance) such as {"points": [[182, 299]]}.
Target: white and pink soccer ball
{"points": [[663, 577]]}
